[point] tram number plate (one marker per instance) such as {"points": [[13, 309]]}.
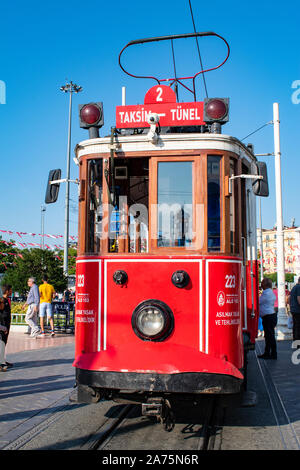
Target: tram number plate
{"points": [[230, 281]]}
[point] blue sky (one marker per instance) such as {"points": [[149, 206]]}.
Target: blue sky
{"points": [[44, 43]]}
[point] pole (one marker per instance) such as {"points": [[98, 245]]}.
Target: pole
{"points": [[123, 96], [282, 319], [43, 210], [67, 200], [261, 243]]}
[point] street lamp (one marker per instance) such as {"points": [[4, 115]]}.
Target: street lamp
{"points": [[68, 88], [43, 210]]}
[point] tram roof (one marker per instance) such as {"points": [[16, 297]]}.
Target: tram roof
{"points": [[181, 141]]}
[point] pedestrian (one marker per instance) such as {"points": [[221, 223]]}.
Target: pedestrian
{"points": [[269, 319], [32, 304], [47, 294], [3, 333], [294, 302], [260, 327], [275, 292], [67, 295], [6, 315]]}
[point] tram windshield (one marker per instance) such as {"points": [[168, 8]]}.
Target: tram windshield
{"points": [[175, 203]]}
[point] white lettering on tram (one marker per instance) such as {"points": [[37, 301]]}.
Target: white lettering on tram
{"points": [[180, 114], [177, 115], [134, 116]]}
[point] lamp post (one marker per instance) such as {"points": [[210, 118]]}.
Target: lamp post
{"points": [[43, 210], [282, 331], [68, 88]]}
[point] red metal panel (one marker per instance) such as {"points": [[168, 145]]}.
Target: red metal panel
{"points": [[207, 334], [88, 306], [152, 280], [224, 315], [252, 322]]}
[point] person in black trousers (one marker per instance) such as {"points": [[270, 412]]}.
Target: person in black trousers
{"points": [[269, 319], [5, 316], [294, 301]]}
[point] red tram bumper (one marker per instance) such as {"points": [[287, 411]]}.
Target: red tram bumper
{"points": [[187, 382], [187, 372]]}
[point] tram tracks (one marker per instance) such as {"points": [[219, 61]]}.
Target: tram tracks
{"points": [[206, 425], [286, 429], [128, 429]]}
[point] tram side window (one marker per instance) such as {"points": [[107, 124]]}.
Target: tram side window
{"points": [[95, 206], [232, 208], [174, 203], [213, 203]]}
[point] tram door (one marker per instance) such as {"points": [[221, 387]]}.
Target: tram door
{"points": [[244, 238], [250, 274]]}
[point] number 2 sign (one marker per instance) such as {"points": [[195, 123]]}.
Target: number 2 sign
{"points": [[160, 94]]}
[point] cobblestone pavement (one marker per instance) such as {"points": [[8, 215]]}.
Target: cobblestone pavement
{"points": [[285, 374], [39, 383]]}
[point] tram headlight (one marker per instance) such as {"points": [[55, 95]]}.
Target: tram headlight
{"points": [[152, 320]]}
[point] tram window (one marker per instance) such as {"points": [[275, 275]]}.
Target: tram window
{"points": [[95, 205], [174, 203], [128, 228], [232, 208], [213, 202]]}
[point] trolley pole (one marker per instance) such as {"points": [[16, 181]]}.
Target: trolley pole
{"points": [[68, 88], [282, 319]]}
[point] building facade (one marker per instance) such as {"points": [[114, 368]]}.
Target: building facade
{"points": [[291, 249]]}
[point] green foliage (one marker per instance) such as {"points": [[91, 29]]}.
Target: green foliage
{"points": [[16, 307], [7, 260], [289, 277], [36, 263], [71, 259]]}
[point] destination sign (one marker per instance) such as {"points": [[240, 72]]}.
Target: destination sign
{"points": [[160, 100]]}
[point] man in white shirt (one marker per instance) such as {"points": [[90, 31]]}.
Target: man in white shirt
{"points": [[269, 319]]}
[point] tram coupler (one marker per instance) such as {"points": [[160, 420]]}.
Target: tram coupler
{"points": [[160, 408], [86, 394]]}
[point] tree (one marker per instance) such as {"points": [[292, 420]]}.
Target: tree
{"points": [[289, 277], [8, 254], [36, 263], [72, 254]]}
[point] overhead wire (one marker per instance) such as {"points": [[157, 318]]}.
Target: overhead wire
{"points": [[270, 122], [175, 74], [198, 48]]}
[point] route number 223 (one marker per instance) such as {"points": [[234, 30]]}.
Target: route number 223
{"points": [[230, 281]]}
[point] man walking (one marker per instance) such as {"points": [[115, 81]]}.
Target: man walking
{"points": [[32, 304], [294, 301], [47, 294], [269, 319]]}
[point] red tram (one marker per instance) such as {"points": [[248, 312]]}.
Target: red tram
{"points": [[167, 270]]}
